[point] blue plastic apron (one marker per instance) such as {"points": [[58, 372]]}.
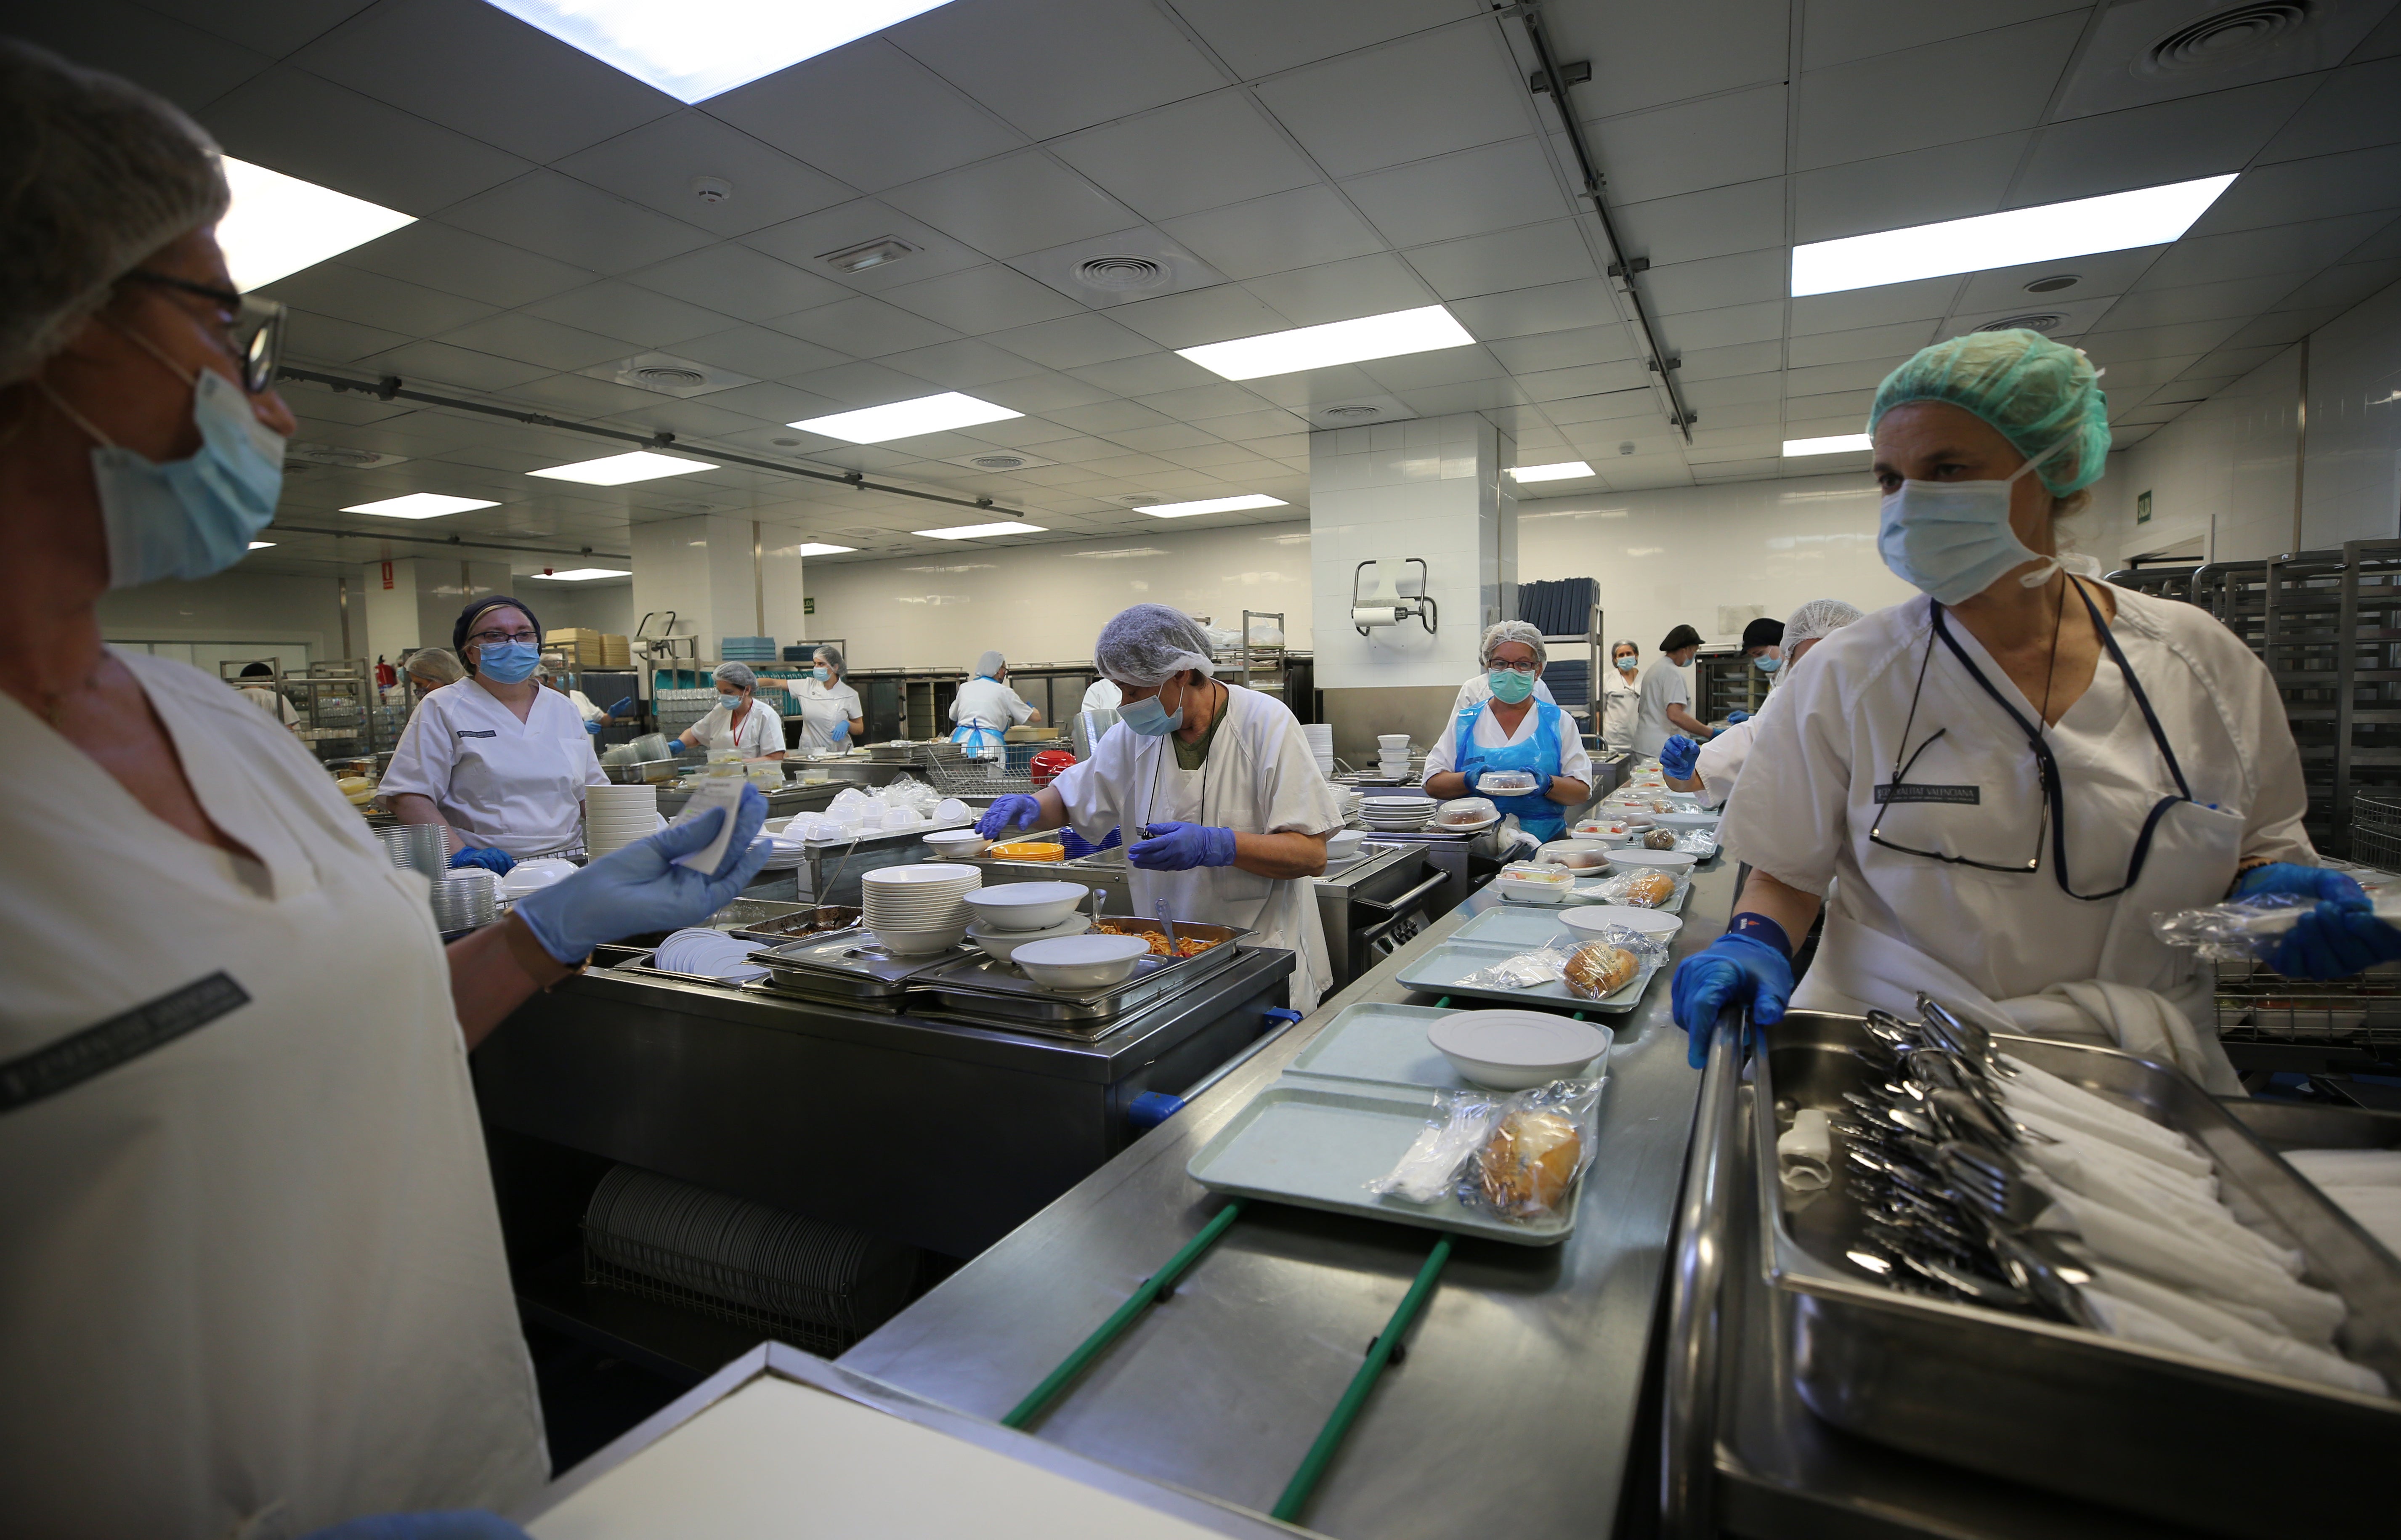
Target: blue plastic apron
{"points": [[983, 742], [1536, 814]]}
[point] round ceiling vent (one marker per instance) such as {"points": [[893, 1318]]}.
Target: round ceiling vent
{"points": [[1122, 272], [2225, 38], [668, 378], [1352, 414], [2045, 323], [998, 463], [2056, 283]]}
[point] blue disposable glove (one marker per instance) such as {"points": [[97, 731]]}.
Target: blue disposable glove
{"points": [[490, 857], [2334, 941], [2322, 883], [1678, 756], [841, 729], [1182, 846], [1733, 717], [593, 728], [1014, 811], [1734, 969], [456, 1524], [623, 707], [640, 888]]}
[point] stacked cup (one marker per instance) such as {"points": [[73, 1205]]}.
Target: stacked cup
{"points": [[918, 907], [418, 847], [1320, 735], [465, 900], [1394, 751], [615, 816]]}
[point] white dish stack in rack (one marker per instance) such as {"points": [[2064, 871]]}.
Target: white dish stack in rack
{"points": [[1396, 815], [1393, 757], [917, 908], [615, 816], [1321, 744]]}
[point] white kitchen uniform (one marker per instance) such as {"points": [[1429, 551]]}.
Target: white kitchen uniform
{"points": [[254, 1279], [760, 733], [517, 785], [273, 701], [984, 709], [823, 707], [1575, 760], [1721, 760], [584, 706], [1261, 778], [1664, 685], [1621, 702], [1102, 696], [2010, 947]]}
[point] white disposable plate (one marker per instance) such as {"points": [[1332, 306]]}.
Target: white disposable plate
{"points": [[1594, 918], [1652, 857], [1515, 1050], [1686, 821]]}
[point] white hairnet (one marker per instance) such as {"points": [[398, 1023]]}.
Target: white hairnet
{"points": [[832, 657], [100, 173], [1512, 630], [1819, 617], [1148, 645], [438, 663], [1625, 641], [740, 675], [990, 664]]}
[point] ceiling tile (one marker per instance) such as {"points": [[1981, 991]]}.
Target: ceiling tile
{"points": [[2247, 253], [2385, 242], [982, 299], [2353, 110], [639, 315], [584, 396], [1190, 318], [863, 326], [961, 365], [1840, 31], [1603, 344], [2187, 339], [1174, 443], [188, 66], [775, 403], [1615, 406], [1259, 37], [1203, 402], [1491, 396], [1474, 192], [563, 218], [861, 384], [1042, 393], [2344, 286], [382, 154], [1109, 418], [1146, 374], [455, 261], [325, 339], [759, 352], [1198, 154], [1690, 145], [740, 281], [1318, 387], [474, 68], [439, 360], [1073, 341], [657, 164], [1061, 65], [1443, 366], [1745, 217], [1867, 342], [273, 27], [1851, 405], [1299, 229], [1918, 97], [1201, 456], [695, 418], [2166, 142], [1722, 363], [1645, 56], [1863, 374], [1013, 204], [1523, 312], [1368, 109], [351, 294], [1342, 291], [531, 339], [1585, 380], [1886, 303], [2239, 296], [1896, 191], [1526, 257], [2102, 273], [1744, 278], [2320, 188], [2076, 316], [866, 113], [803, 243]]}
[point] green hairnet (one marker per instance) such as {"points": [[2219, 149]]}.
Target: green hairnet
{"points": [[2033, 391]]}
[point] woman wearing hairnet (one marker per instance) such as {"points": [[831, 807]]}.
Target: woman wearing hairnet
{"points": [[1510, 730], [831, 716], [1619, 697], [1215, 786], [1710, 770], [987, 708], [740, 718], [255, 1281], [2013, 774]]}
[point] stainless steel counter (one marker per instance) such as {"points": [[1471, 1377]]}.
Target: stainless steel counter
{"points": [[1516, 1407]]}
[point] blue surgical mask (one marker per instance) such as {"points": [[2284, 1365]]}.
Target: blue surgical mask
{"points": [[186, 518], [1627, 665], [730, 699], [507, 662], [1767, 664], [825, 675], [1509, 687], [1150, 718], [1952, 540]]}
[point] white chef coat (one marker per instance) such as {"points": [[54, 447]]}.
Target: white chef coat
{"points": [[1575, 760], [1722, 759], [761, 732], [1261, 778], [1664, 685], [822, 706], [272, 702], [254, 1278], [517, 785], [1621, 701], [1101, 694], [1898, 923], [989, 703], [584, 706], [1479, 689]]}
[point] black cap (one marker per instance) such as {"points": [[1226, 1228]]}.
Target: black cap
{"points": [[258, 670], [1762, 632], [1679, 638], [475, 611]]}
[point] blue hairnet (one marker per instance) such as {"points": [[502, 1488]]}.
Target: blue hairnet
{"points": [[2033, 391]]}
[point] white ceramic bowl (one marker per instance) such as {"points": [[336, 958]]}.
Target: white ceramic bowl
{"points": [[920, 877], [1023, 906], [1393, 740], [1001, 944], [1577, 855], [914, 941], [957, 842], [1515, 1050], [1594, 918], [533, 875], [1696, 820], [1081, 962], [1344, 843], [1636, 861]]}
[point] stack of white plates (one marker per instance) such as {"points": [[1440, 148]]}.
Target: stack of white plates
{"points": [[465, 898], [1396, 814], [532, 875], [787, 851], [708, 954], [1321, 744], [615, 816], [917, 907]]}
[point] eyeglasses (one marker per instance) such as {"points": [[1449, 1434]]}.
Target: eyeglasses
{"points": [[525, 634], [1895, 791], [250, 330], [1512, 667]]}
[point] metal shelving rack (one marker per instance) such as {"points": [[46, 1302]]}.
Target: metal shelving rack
{"points": [[1596, 648], [1259, 668], [1723, 680]]}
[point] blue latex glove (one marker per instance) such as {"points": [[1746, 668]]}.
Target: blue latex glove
{"points": [[1731, 970], [2334, 941], [2322, 883], [593, 728], [623, 707], [1733, 717], [841, 729], [1182, 846], [1014, 811], [640, 888], [456, 1524], [490, 857], [1678, 756]]}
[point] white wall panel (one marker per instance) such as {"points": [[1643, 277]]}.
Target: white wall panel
{"points": [[234, 606]]}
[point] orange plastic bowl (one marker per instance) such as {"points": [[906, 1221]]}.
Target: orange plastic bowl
{"points": [[1028, 852]]}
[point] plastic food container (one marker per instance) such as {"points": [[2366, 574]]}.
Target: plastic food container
{"points": [[1576, 855], [1030, 852], [1505, 782], [1465, 813]]}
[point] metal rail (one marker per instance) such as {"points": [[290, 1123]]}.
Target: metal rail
{"points": [[1688, 1447]]}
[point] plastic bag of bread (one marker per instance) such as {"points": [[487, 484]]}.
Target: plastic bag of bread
{"points": [[1637, 889], [1539, 1146], [1526, 971], [1599, 968], [1659, 839], [1460, 1123]]}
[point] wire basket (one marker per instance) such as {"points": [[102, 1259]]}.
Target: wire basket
{"points": [[2360, 1015], [973, 778], [2376, 830]]}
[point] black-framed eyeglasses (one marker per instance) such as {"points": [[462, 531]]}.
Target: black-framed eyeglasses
{"points": [[524, 634], [1901, 790], [252, 329]]}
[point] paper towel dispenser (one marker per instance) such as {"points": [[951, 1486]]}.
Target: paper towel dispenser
{"points": [[1386, 605]]}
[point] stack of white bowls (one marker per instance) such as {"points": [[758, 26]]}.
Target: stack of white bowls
{"points": [[919, 907], [615, 816], [1396, 815], [1321, 744], [1392, 754]]}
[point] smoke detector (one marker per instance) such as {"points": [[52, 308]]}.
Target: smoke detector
{"points": [[1625, 448], [785, 443], [2046, 322], [663, 373], [711, 189]]}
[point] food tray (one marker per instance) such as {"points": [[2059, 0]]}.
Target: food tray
{"points": [[1587, 890], [1520, 928], [1318, 1146], [2068, 1410], [1438, 971], [1386, 1044], [988, 989], [847, 967]]}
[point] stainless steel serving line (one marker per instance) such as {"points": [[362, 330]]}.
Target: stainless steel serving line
{"points": [[1516, 1405]]}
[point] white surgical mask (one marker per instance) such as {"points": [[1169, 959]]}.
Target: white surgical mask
{"points": [[1952, 540]]}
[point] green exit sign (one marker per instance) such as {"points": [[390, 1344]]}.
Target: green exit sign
{"points": [[2143, 508], [809, 606]]}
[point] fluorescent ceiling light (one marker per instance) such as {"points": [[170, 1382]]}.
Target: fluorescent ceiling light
{"points": [[928, 414], [1336, 342], [2150, 216], [617, 469], [1841, 443], [262, 545], [693, 49], [581, 574], [279, 225], [1564, 470], [420, 505], [814, 548], [976, 531], [1211, 505]]}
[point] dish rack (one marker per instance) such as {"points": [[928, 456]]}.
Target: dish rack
{"points": [[960, 776], [2269, 1022]]}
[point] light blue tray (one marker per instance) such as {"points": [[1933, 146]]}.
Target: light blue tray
{"points": [[1386, 1044], [1439, 971], [1587, 890]]}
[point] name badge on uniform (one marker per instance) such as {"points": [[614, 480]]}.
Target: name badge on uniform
{"points": [[477, 733], [98, 1048], [1916, 791]]}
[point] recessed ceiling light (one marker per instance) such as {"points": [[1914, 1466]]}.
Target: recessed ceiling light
{"points": [[1840, 443], [1370, 337], [976, 531], [1211, 505], [262, 544], [928, 414], [817, 548], [617, 469], [2148, 216], [279, 225], [583, 574], [1563, 471], [867, 254], [693, 49], [420, 505]]}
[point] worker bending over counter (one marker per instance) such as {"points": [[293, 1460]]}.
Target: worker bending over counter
{"points": [[1511, 731]]}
